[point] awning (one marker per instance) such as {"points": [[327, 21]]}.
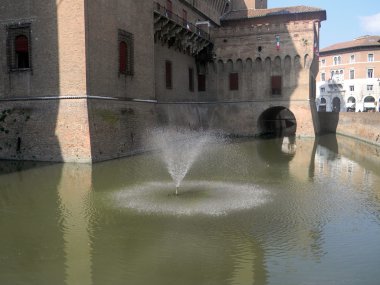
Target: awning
{"points": [[369, 105]]}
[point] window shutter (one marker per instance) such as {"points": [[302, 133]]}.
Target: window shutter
{"points": [[123, 50], [19, 47], [276, 85], [201, 82], [21, 44], [234, 81], [168, 74], [126, 53], [191, 79]]}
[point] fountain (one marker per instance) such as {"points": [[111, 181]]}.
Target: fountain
{"points": [[180, 148]]}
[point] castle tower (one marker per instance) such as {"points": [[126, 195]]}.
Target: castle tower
{"points": [[249, 4]]}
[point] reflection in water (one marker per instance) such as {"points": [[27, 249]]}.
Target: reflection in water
{"points": [[248, 262], [74, 194], [276, 150], [31, 243], [288, 145], [59, 225]]}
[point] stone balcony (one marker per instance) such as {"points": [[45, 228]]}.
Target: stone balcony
{"points": [[177, 32]]}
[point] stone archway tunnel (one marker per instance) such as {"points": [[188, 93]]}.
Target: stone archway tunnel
{"points": [[277, 121]]}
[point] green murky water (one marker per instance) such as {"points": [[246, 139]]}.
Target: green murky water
{"points": [[249, 212]]}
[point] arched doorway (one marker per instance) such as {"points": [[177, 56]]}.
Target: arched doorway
{"points": [[351, 104], [369, 104], [336, 104], [277, 122]]}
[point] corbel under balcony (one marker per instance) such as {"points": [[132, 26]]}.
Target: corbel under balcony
{"points": [[177, 32]]}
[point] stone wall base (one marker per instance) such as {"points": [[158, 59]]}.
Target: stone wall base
{"points": [[90, 130]]}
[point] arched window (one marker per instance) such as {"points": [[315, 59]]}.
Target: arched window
{"points": [[248, 65], [239, 65], [297, 63], [19, 47], [220, 66], [351, 106], [277, 70], [126, 58], [369, 104], [287, 64], [369, 99], [230, 66], [307, 61], [123, 56], [258, 65]]}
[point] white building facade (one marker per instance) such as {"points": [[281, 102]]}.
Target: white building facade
{"points": [[349, 76]]}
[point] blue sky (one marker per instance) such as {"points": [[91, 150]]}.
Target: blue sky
{"points": [[346, 20]]}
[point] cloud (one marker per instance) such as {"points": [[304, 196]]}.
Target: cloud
{"points": [[371, 24]]}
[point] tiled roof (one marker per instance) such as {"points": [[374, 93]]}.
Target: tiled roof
{"points": [[364, 41], [253, 13]]}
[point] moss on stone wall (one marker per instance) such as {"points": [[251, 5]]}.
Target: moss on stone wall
{"points": [[107, 116], [3, 124]]}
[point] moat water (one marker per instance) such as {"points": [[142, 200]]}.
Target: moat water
{"points": [[248, 212]]}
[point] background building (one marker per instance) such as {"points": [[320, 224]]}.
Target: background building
{"points": [[349, 78], [85, 81]]}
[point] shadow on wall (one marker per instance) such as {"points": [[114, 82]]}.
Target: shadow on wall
{"points": [[28, 132], [272, 68], [31, 69], [328, 122]]}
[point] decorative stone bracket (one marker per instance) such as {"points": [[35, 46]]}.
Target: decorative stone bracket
{"points": [[177, 32]]}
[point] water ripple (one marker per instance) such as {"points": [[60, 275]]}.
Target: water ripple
{"points": [[195, 197]]}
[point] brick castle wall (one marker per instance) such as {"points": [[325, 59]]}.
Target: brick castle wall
{"points": [[80, 130]]}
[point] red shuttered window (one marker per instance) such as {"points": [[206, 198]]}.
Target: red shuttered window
{"points": [[191, 79], [22, 51], [126, 53], [234, 81], [19, 51], [168, 75], [276, 83], [201, 82], [123, 55]]}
